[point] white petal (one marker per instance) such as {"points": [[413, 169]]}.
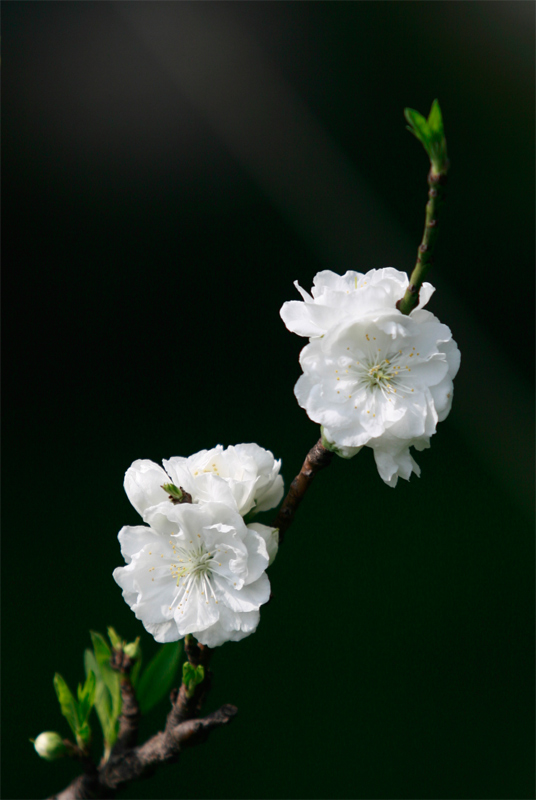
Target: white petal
{"points": [[395, 463], [163, 632], [257, 555], [132, 539], [196, 613], [248, 598], [442, 395], [271, 496], [231, 627], [307, 319], [270, 536], [143, 484], [425, 294]]}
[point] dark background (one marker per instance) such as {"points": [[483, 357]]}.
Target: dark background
{"points": [[169, 170]]}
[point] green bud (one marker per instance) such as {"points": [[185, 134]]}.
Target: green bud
{"points": [[133, 649], [49, 745], [173, 490], [191, 676]]}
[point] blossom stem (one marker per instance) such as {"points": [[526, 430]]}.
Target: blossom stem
{"points": [[317, 458], [436, 196]]}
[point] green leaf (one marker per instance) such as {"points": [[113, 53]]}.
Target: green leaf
{"points": [[110, 677], [435, 120], [102, 701], [86, 696], [83, 735], [115, 639], [159, 676], [100, 647], [418, 126], [68, 704]]}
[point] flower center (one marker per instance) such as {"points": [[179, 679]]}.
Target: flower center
{"points": [[378, 375], [193, 567], [383, 374], [191, 563]]}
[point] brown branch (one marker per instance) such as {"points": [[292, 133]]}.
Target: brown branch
{"points": [[183, 729], [317, 458], [139, 762]]}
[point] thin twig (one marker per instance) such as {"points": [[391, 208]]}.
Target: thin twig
{"points": [[436, 196], [317, 458]]}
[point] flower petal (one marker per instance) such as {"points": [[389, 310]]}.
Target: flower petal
{"points": [[143, 485]]}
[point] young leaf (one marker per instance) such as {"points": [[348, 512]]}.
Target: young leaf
{"points": [[418, 126], [102, 651], [114, 637], [83, 735], [68, 704], [435, 120], [111, 678], [159, 676], [431, 134], [86, 696], [103, 701]]}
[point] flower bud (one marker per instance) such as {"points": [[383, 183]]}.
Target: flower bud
{"points": [[49, 745]]}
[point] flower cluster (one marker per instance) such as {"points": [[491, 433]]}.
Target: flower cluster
{"points": [[371, 375], [197, 567]]}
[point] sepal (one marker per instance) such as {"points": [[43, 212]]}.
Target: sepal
{"points": [[342, 452]]}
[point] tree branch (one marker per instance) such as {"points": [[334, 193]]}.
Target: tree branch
{"points": [[317, 458], [128, 763], [139, 762]]}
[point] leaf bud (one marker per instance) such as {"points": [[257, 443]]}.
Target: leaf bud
{"points": [[191, 676], [133, 649]]}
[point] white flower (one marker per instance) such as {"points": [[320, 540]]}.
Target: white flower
{"points": [[196, 569], [245, 477], [373, 376], [353, 295]]}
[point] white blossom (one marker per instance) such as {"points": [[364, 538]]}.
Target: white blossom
{"points": [[373, 376], [353, 295], [198, 569], [245, 477]]}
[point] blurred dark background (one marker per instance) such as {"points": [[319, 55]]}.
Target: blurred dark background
{"points": [[169, 169]]}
